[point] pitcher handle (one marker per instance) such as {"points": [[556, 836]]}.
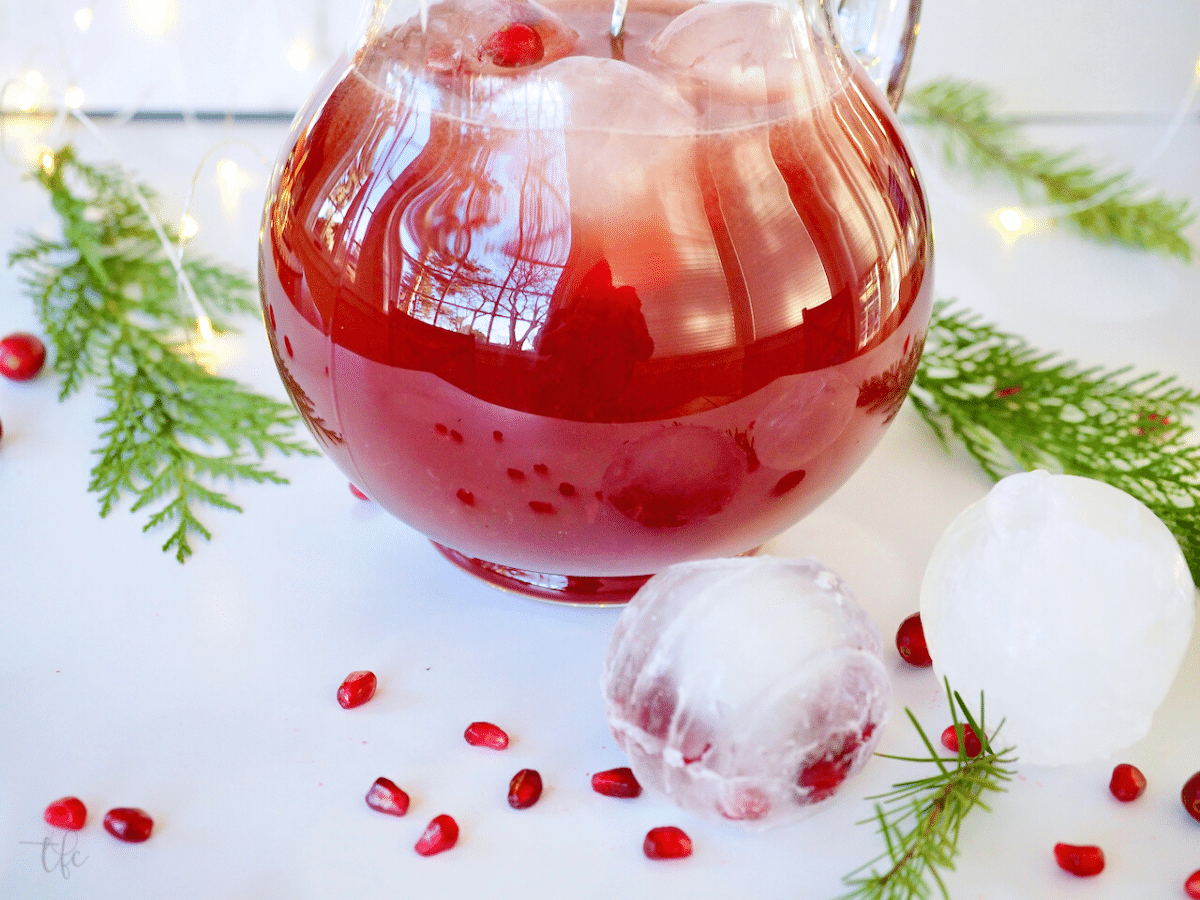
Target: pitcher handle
{"points": [[881, 33]]}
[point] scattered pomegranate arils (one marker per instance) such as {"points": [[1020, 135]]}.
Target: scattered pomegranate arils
{"points": [[1081, 860], [667, 842], [513, 45], [525, 789], [1191, 887], [910, 642], [68, 812], [485, 734], [439, 835], [21, 356], [386, 797], [973, 746], [129, 824], [1127, 782], [1191, 796], [618, 782], [357, 689]]}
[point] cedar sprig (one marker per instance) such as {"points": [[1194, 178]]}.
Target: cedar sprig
{"points": [[919, 820], [1013, 407], [108, 298], [1110, 206]]}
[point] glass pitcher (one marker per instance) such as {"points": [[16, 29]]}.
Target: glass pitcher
{"points": [[579, 292]]}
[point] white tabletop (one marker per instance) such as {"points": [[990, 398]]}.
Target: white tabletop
{"points": [[204, 692]]}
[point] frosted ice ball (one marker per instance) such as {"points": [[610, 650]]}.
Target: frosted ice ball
{"points": [[1069, 604], [748, 689]]}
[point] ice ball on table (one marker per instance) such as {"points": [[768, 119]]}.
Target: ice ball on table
{"points": [[748, 689], [1068, 604]]}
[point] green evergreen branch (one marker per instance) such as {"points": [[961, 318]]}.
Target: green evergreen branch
{"points": [[1111, 207], [1013, 407], [920, 820], [107, 296]]}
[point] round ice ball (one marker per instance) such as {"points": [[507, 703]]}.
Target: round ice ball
{"points": [[1068, 604], [748, 689]]}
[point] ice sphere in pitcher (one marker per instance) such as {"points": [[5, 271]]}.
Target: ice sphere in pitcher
{"points": [[578, 307]]}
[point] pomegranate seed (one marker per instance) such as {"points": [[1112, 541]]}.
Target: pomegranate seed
{"points": [[616, 783], [69, 812], [440, 834], [1079, 860], [385, 797], [910, 641], [1127, 783], [524, 789], [971, 740], [357, 493], [1191, 887], [21, 356], [357, 689], [667, 842], [485, 734], [513, 45], [1191, 796], [128, 824]]}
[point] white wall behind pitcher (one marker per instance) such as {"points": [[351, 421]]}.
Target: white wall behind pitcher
{"points": [[1106, 56]]}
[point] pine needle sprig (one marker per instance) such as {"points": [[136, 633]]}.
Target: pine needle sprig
{"points": [[1013, 407], [1112, 207], [107, 296], [920, 820]]}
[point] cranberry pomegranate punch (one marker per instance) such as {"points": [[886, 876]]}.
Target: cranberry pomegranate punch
{"points": [[576, 306]]}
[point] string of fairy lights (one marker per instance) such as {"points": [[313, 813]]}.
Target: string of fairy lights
{"points": [[36, 114]]}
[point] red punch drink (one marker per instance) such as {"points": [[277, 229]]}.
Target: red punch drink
{"points": [[578, 307]]}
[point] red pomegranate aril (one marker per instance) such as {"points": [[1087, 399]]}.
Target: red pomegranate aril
{"points": [[67, 812], [525, 789], [21, 356], [485, 734], [619, 782], [357, 689], [386, 797], [1191, 796], [439, 835], [1081, 860], [910, 642], [1191, 887], [513, 45], [973, 746], [129, 824], [667, 842], [1127, 782], [357, 493]]}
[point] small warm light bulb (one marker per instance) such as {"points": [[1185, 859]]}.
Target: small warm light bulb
{"points": [[299, 55], [204, 328], [73, 97], [46, 161], [155, 16], [188, 227], [1011, 220], [229, 173], [83, 18]]}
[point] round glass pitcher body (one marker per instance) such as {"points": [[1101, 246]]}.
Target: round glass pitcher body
{"points": [[577, 307]]}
